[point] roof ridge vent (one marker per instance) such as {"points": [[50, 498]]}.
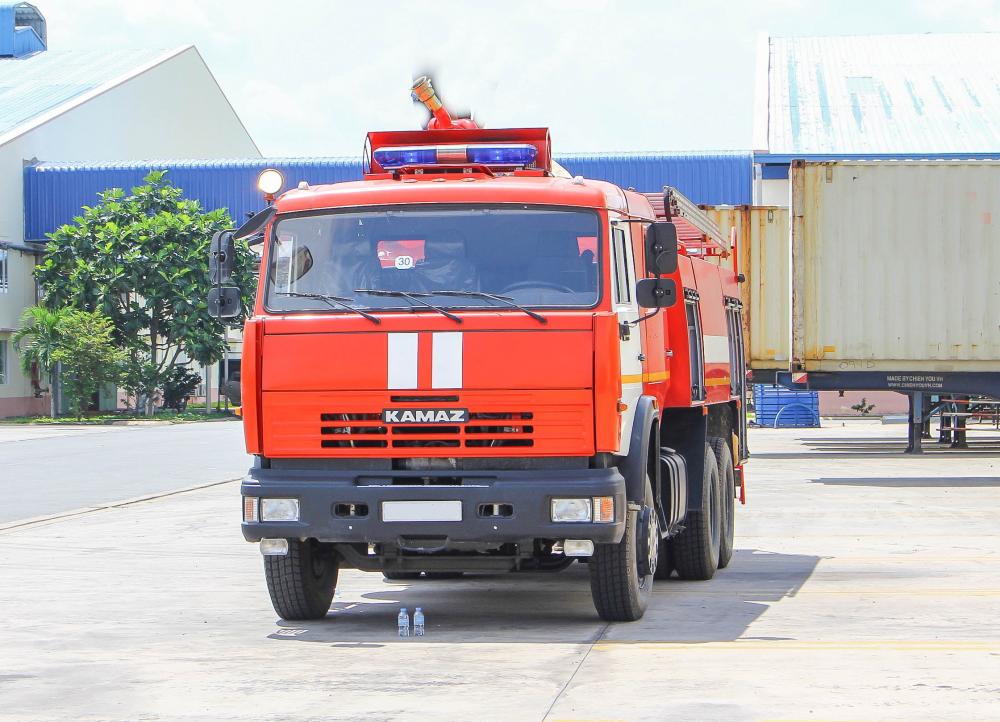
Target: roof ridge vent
{"points": [[22, 30]]}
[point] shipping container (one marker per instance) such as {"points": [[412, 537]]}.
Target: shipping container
{"points": [[896, 267], [762, 234]]}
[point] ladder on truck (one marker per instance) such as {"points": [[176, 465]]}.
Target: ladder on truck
{"points": [[699, 234]]}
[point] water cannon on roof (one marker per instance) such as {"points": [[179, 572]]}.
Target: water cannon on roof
{"points": [[423, 92], [456, 145]]}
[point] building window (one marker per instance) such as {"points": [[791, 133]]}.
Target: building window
{"points": [[3, 361], [4, 273]]}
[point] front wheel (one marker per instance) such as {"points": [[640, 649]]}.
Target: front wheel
{"points": [[620, 583], [301, 583]]}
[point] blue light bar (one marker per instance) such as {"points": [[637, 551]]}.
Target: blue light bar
{"points": [[520, 155], [502, 155], [398, 157]]}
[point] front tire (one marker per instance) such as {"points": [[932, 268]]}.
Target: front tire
{"points": [[695, 550], [301, 583], [620, 592]]}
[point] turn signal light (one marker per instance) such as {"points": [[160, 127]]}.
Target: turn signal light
{"points": [[250, 508], [604, 509]]}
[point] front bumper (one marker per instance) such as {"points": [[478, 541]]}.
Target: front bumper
{"points": [[528, 493]]}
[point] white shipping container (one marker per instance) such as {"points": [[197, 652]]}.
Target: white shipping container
{"points": [[896, 266]]}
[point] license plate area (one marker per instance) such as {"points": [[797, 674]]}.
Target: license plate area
{"points": [[449, 510]]}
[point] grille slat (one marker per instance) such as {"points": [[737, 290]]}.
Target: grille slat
{"points": [[351, 434]]}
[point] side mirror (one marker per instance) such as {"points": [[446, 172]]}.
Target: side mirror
{"points": [[224, 302], [661, 248], [222, 257], [656, 292]]}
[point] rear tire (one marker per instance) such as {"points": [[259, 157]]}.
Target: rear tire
{"points": [[620, 594], [695, 550], [727, 499], [301, 583]]}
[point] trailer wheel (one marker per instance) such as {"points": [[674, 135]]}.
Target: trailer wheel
{"points": [[727, 498], [696, 549], [620, 593], [301, 583]]}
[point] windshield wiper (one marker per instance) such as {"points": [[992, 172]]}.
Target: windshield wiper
{"points": [[409, 296], [337, 302], [493, 297]]}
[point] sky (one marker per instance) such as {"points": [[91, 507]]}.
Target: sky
{"points": [[311, 77]]}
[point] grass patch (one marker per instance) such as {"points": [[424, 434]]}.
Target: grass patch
{"points": [[112, 417]]}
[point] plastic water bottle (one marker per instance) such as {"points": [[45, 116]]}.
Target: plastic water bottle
{"points": [[403, 622], [418, 622]]}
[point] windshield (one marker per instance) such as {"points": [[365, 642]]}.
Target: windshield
{"points": [[533, 257]]}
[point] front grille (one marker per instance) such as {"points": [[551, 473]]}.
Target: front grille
{"points": [[485, 429]]}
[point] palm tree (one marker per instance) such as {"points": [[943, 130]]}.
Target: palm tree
{"points": [[36, 341]]}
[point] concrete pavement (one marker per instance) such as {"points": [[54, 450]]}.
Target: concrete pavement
{"points": [[865, 587], [54, 469]]}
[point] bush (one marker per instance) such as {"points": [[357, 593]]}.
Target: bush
{"points": [[180, 382]]}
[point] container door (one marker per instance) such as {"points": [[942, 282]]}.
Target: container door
{"points": [[623, 278]]}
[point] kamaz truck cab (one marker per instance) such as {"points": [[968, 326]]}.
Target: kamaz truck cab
{"points": [[469, 361]]}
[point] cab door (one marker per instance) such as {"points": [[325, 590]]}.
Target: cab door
{"points": [[623, 279]]}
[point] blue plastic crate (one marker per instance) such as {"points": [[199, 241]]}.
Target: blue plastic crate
{"points": [[779, 407]]}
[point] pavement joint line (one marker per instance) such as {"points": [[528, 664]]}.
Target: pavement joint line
{"points": [[562, 690], [81, 511], [892, 645]]}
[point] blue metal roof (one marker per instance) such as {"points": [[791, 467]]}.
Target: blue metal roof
{"points": [[884, 94], [55, 192], [722, 178], [36, 84]]}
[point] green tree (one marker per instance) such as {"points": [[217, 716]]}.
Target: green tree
{"points": [[87, 353], [37, 340], [142, 260]]}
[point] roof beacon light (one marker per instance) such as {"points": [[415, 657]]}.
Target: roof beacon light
{"points": [[505, 155], [270, 181]]}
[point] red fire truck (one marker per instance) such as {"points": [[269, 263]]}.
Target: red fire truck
{"points": [[470, 361]]}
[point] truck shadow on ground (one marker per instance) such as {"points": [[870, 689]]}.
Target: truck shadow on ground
{"points": [[545, 608], [888, 448]]}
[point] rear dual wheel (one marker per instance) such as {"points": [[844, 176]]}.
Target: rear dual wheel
{"points": [[727, 498], [695, 551]]}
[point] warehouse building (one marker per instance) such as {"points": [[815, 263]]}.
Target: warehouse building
{"points": [[894, 97], [87, 106]]}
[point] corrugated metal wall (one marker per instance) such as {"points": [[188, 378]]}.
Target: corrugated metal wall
{"points": [[55, 192], [705, 178]]}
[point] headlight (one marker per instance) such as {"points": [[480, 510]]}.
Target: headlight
{"points": [[270, 181], [279, 509], [571, 509]]}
